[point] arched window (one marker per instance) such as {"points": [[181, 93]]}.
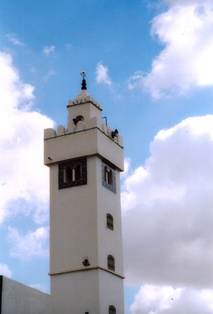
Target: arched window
{"points": [[109, 177], [112, 309], [110, 222], [73, 173], [77, 119], [111, 262]]}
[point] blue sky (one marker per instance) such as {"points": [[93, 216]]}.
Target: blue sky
{"points": [[149, 63]]}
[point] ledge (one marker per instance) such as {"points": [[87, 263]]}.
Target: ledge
{"points": [[86, 269]]}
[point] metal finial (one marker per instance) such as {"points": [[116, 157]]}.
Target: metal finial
{"points": [[83, 84]]}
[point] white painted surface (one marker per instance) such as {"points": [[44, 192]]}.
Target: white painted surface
{"points": [[78, 216], [20, 299]]}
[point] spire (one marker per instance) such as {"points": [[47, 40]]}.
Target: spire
{"points": [[83, 84]]}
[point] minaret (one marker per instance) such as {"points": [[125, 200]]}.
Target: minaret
{"points": [[86, 261]]}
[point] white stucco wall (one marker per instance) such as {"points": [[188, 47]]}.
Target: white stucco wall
{"points": [[20, 299], [78, 227]]}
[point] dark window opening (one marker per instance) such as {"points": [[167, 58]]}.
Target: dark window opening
{"points": [[112, 309], [111, 263], [108, 178], [110, 222], [105, 174], [108, 175], [77, 119], [78, 172], [72, 173]]}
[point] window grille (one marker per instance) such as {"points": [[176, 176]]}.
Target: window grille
{"points": [[112, 309], [111, 263], [108, 177], [72, 173], [110, 222]]}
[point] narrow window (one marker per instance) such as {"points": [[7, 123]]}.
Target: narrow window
{"points": [[78, 172], [67, 174], [112, 309], [111, 263], [110, 222], [73, 175], [108, 177], [105, 174]]}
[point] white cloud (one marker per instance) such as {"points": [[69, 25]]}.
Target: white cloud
{"points": [[49, 75], [23, 176], [102, 76], [135, 80], [185, 62], [169, 202], [33, 244], [13, 39], [47, 50], [165, 299], [5, 270]]}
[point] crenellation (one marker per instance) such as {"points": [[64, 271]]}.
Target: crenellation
{"points": [[70, 126], [92, 123], [83, 98], [79, 101], [104, 127], [61, 130], [70, 103], [120, 140], [80, 126], [108, 132], [49, 133]]}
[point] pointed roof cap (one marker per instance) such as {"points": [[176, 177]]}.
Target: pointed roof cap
{"points": [[83, 96], [83, 84]]}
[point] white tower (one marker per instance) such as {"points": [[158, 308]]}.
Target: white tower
{"points": [[86, 262]]}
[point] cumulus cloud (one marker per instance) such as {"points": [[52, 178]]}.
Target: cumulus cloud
{"points": [[166, 299], [33, 244], [102, 76], [169, 202], [23, 176], [185, 30], [47, 50], [5, 270]]}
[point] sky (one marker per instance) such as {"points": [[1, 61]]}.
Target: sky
{"points": [[149, 64]]}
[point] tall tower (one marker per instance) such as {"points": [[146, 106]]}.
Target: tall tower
{"points": [[86, 262]]}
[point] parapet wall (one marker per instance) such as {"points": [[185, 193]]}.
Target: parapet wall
{"points": [[83, 126], [84, 135], [20, 299]]}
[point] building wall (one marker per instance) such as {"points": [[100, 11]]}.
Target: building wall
{"points": [[73, 227], [88, 292], [17, 298], [78, 212], [80, 293]]}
